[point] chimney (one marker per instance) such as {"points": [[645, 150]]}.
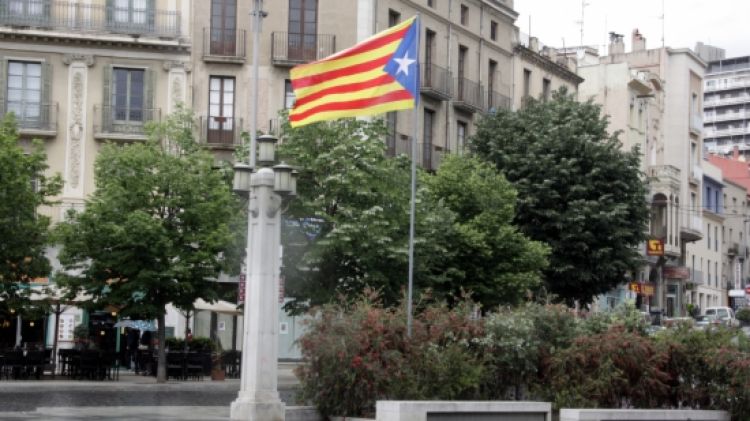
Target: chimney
{"points": [[616, 46], [736, 153], [534, 44], [639, 41]]}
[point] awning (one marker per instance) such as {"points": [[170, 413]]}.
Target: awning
{"points": [[221, 306]]}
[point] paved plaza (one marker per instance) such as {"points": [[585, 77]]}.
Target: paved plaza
{"points": [[133, 397]]}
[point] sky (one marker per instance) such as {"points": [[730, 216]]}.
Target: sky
{"points": [[721, 23]]}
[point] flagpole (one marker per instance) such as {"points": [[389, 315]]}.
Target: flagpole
{"points": [[413, 190]]}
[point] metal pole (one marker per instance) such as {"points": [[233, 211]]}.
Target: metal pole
{"points": [[258, 15], [413, 194]]}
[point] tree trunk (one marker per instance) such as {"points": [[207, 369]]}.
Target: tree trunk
{"points": [[187, 328], [58, 312], [161, 365]]}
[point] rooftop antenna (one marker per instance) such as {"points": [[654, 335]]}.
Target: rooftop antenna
{"points": [[580, 22], [662, 23]]}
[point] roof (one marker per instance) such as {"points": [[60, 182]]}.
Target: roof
{"points": [[733, 170]]}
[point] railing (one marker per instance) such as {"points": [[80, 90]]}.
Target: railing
{"points": [[290, 48], [33, 116], [725, 86], [224, 43], [710, 118], [429, 156], [697, 173], [221, 131], [696, 277], [123, 121], [498, 101], [665, 172], [730, 131], [696, 223], [97, 18], [469, 93], [726, 101], [696, 123], [733, 249], [436, 79]]}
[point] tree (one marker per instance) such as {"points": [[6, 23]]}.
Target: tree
{"points": [[349, 227], [24, 232], [578, 191], [154, 230], [490, 258]]}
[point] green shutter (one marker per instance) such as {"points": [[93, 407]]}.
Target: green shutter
{"points": [[107, 98], [151, 15], [47, 107], [151, 114], [108, 13], [3, 84]]}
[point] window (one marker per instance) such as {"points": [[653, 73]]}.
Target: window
{"points": [[27, 8], [394, 17], [709, 272], [288, 94], [431, 3], [221, 110], [429, 48], [464, 14], [461, 70], [391, 120], [526, 82], [461, 128], [546, 83], [303, 29], [24, 94], [716, 273], [128, 14], [223, 27], [708, 237], [429, 117], [127, 95], [493, 30], [716, 238]]}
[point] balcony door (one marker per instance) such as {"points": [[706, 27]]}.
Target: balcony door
{"points": [[24, 92], [136, 16], [429, 47], [429, 118], [223, 27], [303, 30], [221, 122], [461, 71]]}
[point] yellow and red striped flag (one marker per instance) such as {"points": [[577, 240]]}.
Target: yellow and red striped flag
{"points": [[378, 75]]}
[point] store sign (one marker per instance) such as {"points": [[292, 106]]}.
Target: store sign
{"points": [[655, 248], [241, 290], [642, 288], [676, 272]]}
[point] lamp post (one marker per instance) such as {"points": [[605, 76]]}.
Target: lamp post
{"points": [[266, 189]]}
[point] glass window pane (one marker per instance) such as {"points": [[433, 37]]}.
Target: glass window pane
{"points": [[228, 124], [120, 101], [229, 98], [31, 111], [33, 83], [33, 96], [15, 108], [136, 115], [213, 110], [227, 111], [311, 4], [228, 85], [213, 97], [15, 94], [215, 84], [15, 68], [136, 102], [34, 69], [15, 82], [139, 4]]}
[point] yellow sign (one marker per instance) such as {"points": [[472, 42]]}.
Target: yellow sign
{"points": [[655, 248]]}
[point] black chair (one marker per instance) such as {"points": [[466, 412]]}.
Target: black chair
{"points": [[194, 365], [34, 364], [90, 365], [230, 361], [176, 365], [14, 364]]}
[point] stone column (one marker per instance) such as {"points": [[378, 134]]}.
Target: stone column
{"points": [[177, 81], [76, 130], [258, 399]]}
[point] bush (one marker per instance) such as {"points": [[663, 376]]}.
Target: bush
{"points": [[613, 369], [197, 344], [743, 315]]}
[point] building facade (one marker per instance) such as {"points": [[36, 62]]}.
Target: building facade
{"points": [[726, 111]]}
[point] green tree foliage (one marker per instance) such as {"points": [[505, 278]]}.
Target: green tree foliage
{"points": [[578, 191], [154, 230], [349, 227], [24, 232], [488, 255]]}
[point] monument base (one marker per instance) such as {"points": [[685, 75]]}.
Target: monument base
{"points": [[248, 409]]}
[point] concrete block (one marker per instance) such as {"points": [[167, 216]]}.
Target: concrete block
{"points": [[567, 414], [302, 413], [463, 410]]}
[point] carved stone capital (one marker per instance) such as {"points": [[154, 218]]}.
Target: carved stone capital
{"points": [[86, 58], [172, 64]]}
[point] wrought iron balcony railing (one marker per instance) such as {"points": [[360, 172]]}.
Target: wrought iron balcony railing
{"points": [[469, 95], [224, 45], [436, 81], [288, 49], [221, 131], [112, 122], [498, 101], [429, 155], [93, 18], [33, 118]]}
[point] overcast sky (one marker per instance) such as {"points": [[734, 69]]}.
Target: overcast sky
{"points": [[722, 23]]}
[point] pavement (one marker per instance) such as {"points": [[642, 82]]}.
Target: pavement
{"points": [[132, 397]]}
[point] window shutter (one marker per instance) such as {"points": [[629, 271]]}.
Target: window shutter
{"points": [[3, 84], [152, 114], [107, 98], [109, 13], [47, 108]]}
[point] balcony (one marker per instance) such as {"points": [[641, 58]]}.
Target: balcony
{"points": [[84, 18], [713, 118], [733, 249], [289, 50], [666, 175], [469, 96], [729, 131], [693, 231], [718, 102], [34, 119], [696, 175], [117, 123], [436, 82], [221, 132], [497, 101], [428, 155], [224, 46], [735, 84], [696, 124], [696, 277]]}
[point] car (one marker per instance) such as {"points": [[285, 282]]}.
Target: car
{"points": [[724, 314], [706, 321]]}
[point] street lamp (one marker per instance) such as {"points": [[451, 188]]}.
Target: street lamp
{"points": [[266, 189]]}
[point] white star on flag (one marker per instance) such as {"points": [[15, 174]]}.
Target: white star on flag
{"points": [[403, 64]]}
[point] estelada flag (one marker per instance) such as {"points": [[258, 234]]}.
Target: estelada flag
{"points": [[378, 75]]}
